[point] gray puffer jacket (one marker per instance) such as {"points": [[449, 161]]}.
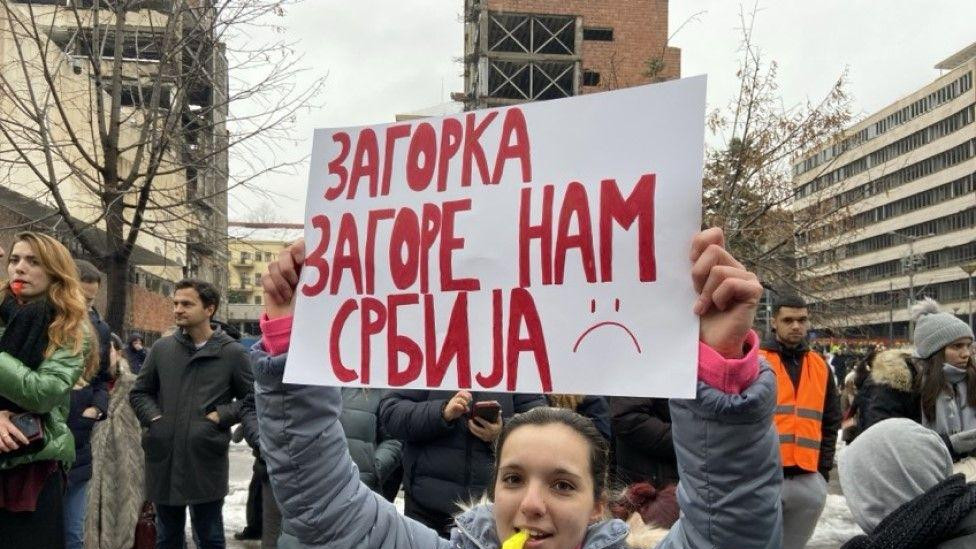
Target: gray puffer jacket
{"points": [[375, 453], [726, 447]]}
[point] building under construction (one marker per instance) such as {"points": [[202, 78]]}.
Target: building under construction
{"points": [[528, 50]]}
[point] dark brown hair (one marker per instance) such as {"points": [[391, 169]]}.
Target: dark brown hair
{"points": [[599, 450], [87, 272], [791, 301], [209, 296], [933, 382], [862, 367]]}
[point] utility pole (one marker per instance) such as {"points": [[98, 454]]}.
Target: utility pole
{"points": [[766, 306], [910, 264], [891, 314]]}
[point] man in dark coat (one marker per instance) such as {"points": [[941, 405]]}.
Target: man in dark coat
{"points": [[89, 404], [643, 449], [192, 389], [447, 456]]}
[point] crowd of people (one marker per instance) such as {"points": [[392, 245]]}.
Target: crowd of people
{"points": [[94, 426]]}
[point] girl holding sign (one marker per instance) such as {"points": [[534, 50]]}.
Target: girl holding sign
{"points": [[551, 465]]}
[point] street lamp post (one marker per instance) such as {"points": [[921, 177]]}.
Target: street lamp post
{"points": [[969, 268], [891, 314], [910, 264]]}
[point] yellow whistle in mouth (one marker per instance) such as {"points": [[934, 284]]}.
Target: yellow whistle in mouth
{"points": [[516, 541]]}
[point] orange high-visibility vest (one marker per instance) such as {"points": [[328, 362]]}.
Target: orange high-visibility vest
{"points": [[799, 413]]}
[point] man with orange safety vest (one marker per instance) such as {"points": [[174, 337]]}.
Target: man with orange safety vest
{"points": [[808, 416]]}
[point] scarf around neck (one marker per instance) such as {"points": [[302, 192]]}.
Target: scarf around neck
{"points": [[953, 414], [925, 521], [25, 337]]}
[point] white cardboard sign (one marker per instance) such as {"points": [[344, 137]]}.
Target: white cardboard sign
{"points": [[536, 248]]}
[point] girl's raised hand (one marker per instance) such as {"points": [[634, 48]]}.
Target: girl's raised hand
{"points": [[281, 280], [728, 294]]}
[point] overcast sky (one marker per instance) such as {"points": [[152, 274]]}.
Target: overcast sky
{"points": [[384, 57]]}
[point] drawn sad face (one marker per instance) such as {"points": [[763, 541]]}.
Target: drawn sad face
{"points": [[607, 325]]}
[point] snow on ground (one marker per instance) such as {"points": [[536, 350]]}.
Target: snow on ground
{"points": [[836, 525], [240, 477]]}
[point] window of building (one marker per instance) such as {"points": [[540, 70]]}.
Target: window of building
{"points": [[245, 257], [942, 95], [257, 300], [598, 34], [532, 33], [531, 80], [268, 257], [937, 259], [591, 78], [943, 225], [933, 164], [257, 279], [142, 96], [945, 292]]}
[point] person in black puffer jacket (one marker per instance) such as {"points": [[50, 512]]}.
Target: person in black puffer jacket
{"points": [[643, 449], [447, 458], [89, 404], [81, 422]]}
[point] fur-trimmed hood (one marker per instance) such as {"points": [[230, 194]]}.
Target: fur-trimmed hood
{"points": [[643, 536], [475, 528], [893, 369]]}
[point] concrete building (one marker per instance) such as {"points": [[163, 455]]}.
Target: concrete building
{"points": [[904, 180], [186, 223], [250, 251], [526, 50]]}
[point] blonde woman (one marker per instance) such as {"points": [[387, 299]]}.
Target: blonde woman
{"points": [[45, 346]]}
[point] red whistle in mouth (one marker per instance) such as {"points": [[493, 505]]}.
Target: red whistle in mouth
{"points": [[16, 286]]}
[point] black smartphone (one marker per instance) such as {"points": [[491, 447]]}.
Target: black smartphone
{"points": [[487, 410]]}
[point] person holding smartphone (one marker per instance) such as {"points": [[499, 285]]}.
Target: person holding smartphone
{"points": [[447, 446]]}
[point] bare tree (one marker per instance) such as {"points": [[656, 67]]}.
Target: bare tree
{"points": [[123, 115], [656, 66], [748, 184]]}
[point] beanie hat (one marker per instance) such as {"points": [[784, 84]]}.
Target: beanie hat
{"points": [[934, 329]]}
